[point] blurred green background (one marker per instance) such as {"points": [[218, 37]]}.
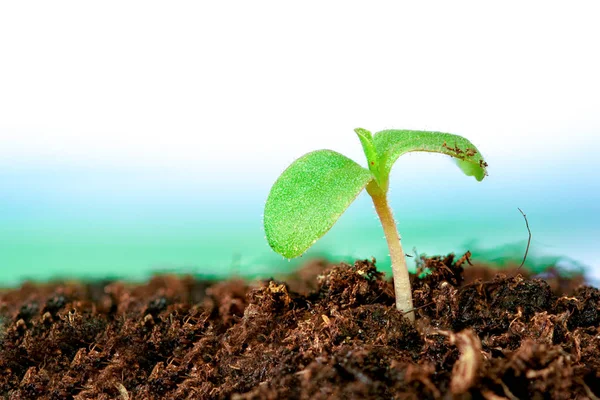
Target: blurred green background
{"points": [[64, 223]]}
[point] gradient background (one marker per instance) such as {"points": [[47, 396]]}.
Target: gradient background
{"points": [[138, 137]]}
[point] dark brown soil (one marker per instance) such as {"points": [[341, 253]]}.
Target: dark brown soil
{"points": [[331, 332]]}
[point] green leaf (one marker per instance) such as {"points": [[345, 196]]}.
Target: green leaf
{"points": [[309, 197], [391, 144], [366, 139]]}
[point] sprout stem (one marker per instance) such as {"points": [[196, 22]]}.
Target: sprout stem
{"points": [[402, 288]]}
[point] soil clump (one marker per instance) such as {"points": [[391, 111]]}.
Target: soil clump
{"points": [[329, 331]]}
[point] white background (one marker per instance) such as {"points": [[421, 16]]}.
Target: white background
{"points": [[220, 85]]}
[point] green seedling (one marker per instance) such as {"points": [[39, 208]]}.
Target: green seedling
{"points": [[313, 192]]}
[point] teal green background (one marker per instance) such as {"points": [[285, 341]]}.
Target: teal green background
{"points": [[95, 223]]}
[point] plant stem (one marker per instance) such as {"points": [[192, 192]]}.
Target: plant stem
{"points": [[402, 288]]}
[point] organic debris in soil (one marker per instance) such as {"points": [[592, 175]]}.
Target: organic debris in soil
{"points": [[508, 337]]}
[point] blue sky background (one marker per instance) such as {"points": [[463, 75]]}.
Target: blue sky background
{"points": [[143, 136]]}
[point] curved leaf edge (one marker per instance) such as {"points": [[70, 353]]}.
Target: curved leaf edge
{"points": [[469, 160], [271, 237]]}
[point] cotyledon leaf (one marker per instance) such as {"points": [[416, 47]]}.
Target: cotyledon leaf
{"points": [[366, 139], [309, 197], [391, 144]]}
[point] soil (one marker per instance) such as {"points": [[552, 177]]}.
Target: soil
{"points": [[330, 332]]}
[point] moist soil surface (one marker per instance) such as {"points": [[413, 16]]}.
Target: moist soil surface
{"points": [[328, 332]]}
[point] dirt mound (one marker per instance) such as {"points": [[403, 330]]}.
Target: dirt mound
{"points": [[337, 336]]}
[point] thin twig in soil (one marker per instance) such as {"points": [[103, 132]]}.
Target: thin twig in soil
{"points": [[528, 242], [517, 270]]}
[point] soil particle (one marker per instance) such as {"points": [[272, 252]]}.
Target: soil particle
{"points": [[330, 331]]}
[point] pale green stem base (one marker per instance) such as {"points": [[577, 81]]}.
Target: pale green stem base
{"points": [[402, 288]]}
